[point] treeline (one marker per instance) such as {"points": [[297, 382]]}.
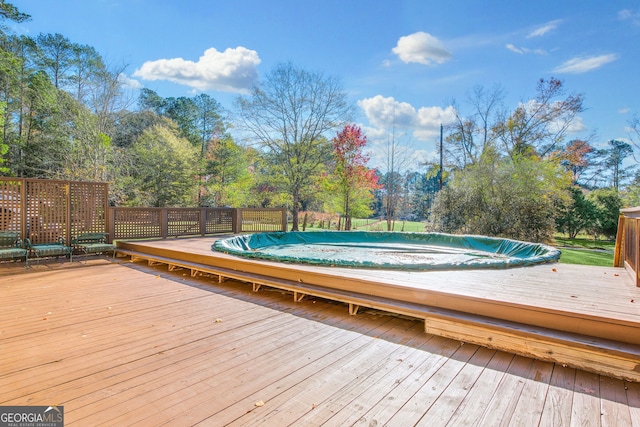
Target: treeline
{"points": [[66, 114]]}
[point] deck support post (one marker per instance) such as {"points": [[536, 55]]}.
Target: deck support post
{"points": [[353, 309], [298, 296], [256, 287]]}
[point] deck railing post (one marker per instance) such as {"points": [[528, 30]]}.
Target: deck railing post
{"points": [[620, 247], [234, 220], [24, 233], [111, 225], [203, 221], [164, 222], [636, 242], [285, 224]]}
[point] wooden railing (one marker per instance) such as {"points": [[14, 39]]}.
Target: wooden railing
{"points": [[627, 250], [143, 223], [46, 210]]}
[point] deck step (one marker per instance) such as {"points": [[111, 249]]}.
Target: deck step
{"points": [[612, 358]]}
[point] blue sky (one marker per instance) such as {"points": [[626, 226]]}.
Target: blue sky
{"points": [[409, 57]]}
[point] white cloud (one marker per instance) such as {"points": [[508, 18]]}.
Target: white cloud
{"points": [[512, 48], [577, 125], [387, 114], [583, 64], [128, 82], [422, 48], [524, 50], [624, 110], [544, 29], [389, 119], [629, 15], [233, 70]]}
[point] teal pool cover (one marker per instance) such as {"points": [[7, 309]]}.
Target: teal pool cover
{"points": [[388, 250]]}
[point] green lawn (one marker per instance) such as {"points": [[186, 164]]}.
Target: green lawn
{"points": [[585, 251], [584, 242], [586, 257], [376, 225]]}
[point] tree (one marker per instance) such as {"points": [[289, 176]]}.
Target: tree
{"points": [[163, 168], [10, 12], [226, 173], [86, 65], [288, 113], [615, 155], [55, 56], [608, 203], [4, 148], [148, 100], [576, 215], [211, 129], [538, 126], [397, 157], [505, 197], [468, 137], [425, 190], [576, 157], [634, 128], [352, 180]]}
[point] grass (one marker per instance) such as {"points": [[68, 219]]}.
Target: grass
{"points": [[585, 251], [376, 225], [586, 257], [584, 243]]}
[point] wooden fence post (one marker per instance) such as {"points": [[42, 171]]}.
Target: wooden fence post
{"points": [[285, 224], [164, 222], [236, 221], [618, 258], [203, 221]]}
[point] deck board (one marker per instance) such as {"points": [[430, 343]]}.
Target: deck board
{"points": [[121, 343]]}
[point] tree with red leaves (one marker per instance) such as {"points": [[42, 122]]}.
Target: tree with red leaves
{"points": [[353, 182], [576, 157]]}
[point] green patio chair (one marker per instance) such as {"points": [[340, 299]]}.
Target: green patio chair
{"points": [[11, 247], [47, 250]]}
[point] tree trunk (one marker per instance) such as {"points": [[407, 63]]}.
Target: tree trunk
{"points": [[294, 211]]}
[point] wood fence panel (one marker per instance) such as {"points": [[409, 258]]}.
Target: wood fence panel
{"points": [[88, 207], [219, 221], [136, 223], [259, 220], [47, 209], [11, 209]]}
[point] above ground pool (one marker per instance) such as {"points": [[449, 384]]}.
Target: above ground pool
{"points": [[390, 250]]}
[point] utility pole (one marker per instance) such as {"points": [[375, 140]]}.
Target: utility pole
{"points": [[440, 171]]}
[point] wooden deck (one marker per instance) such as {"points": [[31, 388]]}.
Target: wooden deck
{"points": [[122, 343], [583, 317]]}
